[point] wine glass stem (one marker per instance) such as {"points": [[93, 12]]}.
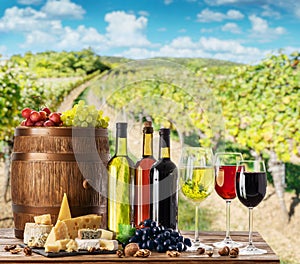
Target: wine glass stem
{"points": [[228, 202], [197, 223], [250, 225]]}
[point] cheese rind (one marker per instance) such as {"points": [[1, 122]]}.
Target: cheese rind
{"points": [[33, 230], [91, 221], [44, 219], [87, 233], [64, 212]]}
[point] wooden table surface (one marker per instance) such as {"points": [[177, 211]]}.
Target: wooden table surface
{"points": [[7, 237]]}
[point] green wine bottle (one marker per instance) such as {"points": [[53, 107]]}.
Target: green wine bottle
{"points": [[120, 183]]}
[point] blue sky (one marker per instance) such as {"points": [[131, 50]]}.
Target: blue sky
{"points": [[235, 30]]}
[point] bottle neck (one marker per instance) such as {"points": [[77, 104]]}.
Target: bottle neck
{"points": [[164, 146], [147, 144], [121, 146], [121, 141]]}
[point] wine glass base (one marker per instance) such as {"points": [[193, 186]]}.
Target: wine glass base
{"points": [[252, 250], [227, 242], [196, 245]]}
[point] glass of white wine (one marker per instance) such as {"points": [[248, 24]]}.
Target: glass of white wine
{"points": [[197, 182]]}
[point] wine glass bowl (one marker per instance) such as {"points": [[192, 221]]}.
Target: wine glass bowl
{"points": [[251, 185], [196, 181], [225, 170]]}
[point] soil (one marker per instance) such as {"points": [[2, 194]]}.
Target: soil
{"points": [[283, 237]]}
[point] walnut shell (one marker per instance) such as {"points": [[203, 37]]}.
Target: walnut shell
{"points": [[224, 251], [131, 249], [234, 252]]}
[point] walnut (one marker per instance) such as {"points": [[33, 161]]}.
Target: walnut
{"points": [[27, 251], [131, 249], [9, 247], [91, 249], [224, 251], [173, 253], [120, 253], [234, 252], [15, 251], [144, 253], [209, 252], [200, 250]]}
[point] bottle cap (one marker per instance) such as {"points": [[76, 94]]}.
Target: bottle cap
{"points": [[121, 129], [164, 131], [148, 127]]}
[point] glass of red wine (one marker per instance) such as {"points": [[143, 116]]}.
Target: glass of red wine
{"points": [[251, 186], [225, 169]]}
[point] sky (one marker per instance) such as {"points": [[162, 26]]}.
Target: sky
{"points": [[235, 30]]}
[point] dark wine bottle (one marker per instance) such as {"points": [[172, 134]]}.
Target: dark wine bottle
{"points": [[164, 183], [120, 183], [142, 177]]}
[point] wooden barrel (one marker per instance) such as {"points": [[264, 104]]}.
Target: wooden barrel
{"points": [[48, 162]]}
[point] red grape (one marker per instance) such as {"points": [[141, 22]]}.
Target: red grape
{"points": [[26, 112], [29, 122], [35, 116], [43, 115], [55, 118], [39, 123], [49, 123], [47, 110]]}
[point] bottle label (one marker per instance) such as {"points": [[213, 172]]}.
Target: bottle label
{"points": [[148, 145], [165, 152]]}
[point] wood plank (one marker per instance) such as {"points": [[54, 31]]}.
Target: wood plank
{"points": [[7, 238]]}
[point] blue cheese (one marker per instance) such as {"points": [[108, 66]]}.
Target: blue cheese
{"points": [[87, 233]]}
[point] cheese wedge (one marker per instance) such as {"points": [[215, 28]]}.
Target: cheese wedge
{"points": [[106, 234], [44, 219], [64, 212], [91, 221], [109, 244], [52, 248], [62, 243], [58, 232], [72, 246], [33, 230]]}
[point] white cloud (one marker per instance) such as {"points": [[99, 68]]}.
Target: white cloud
{"points": [[261, 29], [3, 50], [220, 2], [231, 27], [131, 33], [29, 2], [63, 9], [207, 15], [269, 12]]}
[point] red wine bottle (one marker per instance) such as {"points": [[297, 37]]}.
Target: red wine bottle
{"points": [[164, 183], [142, 177]]}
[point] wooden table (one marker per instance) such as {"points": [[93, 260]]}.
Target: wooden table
{"points": [[7, 237]]}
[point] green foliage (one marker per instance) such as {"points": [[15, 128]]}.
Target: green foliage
{"points": [[261, 105]]}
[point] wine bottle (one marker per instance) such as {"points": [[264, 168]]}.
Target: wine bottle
{"points": [[142, 177], [120, 183], [164, 183]]}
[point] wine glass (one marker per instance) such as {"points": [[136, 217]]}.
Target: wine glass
{"points": [[197, 181], [225, 168], [251, 185]]}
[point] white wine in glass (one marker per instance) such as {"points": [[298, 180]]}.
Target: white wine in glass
{"points": [[197, 181]]}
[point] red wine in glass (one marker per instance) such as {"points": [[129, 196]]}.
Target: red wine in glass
{"points": [[225, 182]]}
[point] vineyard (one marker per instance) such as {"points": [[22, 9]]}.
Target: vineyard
{"points": [[254, 109]]}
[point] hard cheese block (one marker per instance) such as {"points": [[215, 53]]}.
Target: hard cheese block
{"points": [[106, 234], [91, 221], [33, 230], [44, 219]]}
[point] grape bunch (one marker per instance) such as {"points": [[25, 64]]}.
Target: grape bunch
{"points": [[154, 236], [42, 118], [82, 115]]}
